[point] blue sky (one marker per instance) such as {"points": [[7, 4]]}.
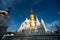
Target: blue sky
{"points": [[48, 10]]}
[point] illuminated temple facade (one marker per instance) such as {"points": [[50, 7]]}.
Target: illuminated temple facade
{"points": [[33, 29], [32, 23]]}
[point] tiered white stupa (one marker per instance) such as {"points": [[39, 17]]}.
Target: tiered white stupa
{"points": [[32, 23]]}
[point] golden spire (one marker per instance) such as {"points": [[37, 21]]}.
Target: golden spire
{"points": [[32, 20]]}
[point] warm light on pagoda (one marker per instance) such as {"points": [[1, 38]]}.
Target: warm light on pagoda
{"points": [[32, 21]]}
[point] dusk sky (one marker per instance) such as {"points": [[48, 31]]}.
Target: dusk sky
{"points": [[48, 10]]}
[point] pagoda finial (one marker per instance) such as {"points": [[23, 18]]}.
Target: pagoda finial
{"points": [[31, 10]]}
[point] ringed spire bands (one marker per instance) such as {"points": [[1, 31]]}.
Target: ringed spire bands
{"points": [[32, 20]]}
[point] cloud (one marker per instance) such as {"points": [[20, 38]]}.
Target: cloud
{"points": [[52, 25], [58, 12]]}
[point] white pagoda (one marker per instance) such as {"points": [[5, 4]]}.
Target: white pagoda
{"points": [[32, 23]]}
